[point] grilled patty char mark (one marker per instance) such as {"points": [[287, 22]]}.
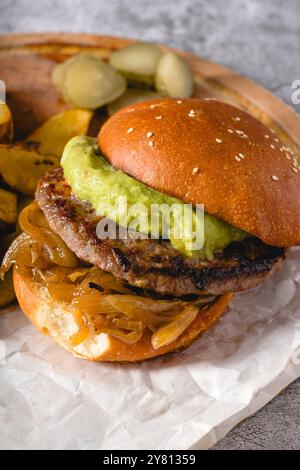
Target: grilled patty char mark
{"points": [[152, 264]]}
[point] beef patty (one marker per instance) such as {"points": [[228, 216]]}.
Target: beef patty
{"points": [[152, 264]]}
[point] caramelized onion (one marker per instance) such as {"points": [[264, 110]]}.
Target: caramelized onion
{"points": [[106, 281], [128, 338], [62, 292], [170, 332], [32, 221], [99, 302], [82, 334], [20, 250]]}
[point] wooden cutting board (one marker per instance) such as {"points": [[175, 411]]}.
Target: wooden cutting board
{"points": [[26, 61]]}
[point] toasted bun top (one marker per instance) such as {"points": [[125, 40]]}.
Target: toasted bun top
{"points": [[209, 152]]}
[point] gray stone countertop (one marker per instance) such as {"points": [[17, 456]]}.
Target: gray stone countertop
{"points": [[258, 38]]}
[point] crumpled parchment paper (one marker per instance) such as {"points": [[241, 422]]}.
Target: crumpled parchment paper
{"points": [[51, 400]]}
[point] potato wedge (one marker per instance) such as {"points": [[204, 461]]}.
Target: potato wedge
{"points": [[59, 129], [7, 293], [22, 165], [8, 210], [6, 124]]}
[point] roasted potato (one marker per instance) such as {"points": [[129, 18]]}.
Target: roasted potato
{"points": [[59, 129], [7, 293], [22, 165], [6, 124], [8, 211]]}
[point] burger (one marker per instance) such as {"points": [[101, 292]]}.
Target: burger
{"points": [[108, 283]]}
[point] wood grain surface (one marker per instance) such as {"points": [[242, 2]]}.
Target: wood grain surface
{"points": [[27, 60]]}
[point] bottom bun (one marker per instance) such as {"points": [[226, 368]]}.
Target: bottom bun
{"points": [[55, 318]]}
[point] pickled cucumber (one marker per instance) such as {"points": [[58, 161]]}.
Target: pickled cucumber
{"points": [[90, 83], [59, 74], [131, 97], [137, 62], [174, 77]]}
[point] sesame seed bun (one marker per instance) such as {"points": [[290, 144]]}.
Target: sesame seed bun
{"points": [[211, 153], [55, 319]]}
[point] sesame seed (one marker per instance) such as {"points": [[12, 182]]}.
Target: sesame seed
{"points": [[275, 178], [237, 158], [195, 170], [272, 146], [267, 136], [131, 129], [230, 131], [287, 156], [179, 101], [153, 106], [239, 132], [276, 140], [149, 134], [192, 114], [151, 143], [241, 155], [219, 141], [158, 117], [237, 118], [295, 170]]}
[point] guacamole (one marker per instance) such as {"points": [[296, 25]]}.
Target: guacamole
{"points": [[133, 205]]}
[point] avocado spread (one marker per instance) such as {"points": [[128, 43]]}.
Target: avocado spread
{"points": [[129, 203]]}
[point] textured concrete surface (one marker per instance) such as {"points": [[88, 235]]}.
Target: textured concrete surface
{"points": [[257, 38]]}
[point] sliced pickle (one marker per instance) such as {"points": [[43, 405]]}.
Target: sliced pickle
{"points": [[174, 77], [8, 210], [137, 62], [130, 97], [90, 83], [7, 293], [54, 134], [22, 164], [59, 74]]}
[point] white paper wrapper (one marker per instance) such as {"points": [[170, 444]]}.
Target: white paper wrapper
{"points": [[48, 399]]}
